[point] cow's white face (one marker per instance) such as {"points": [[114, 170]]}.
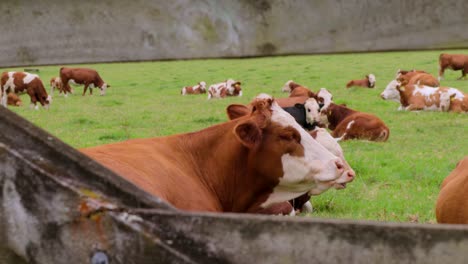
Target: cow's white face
{"points": [[103, 89], [331, 144], [312, 109], [203, 86], [325, 96], [371, 78], [302, 173], [286, 87], [391, 92]]}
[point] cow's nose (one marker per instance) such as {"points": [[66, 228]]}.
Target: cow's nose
{"points": [[351, 174]]}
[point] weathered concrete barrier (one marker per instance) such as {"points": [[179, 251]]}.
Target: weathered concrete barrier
{"points": [[58, 206], [58, 32]]}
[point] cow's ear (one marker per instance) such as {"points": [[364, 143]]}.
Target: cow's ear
{"points": [[235, 111], [248, 133], [299, 106]]}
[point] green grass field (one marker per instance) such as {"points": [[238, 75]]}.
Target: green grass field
{"points": [[396, 181]]}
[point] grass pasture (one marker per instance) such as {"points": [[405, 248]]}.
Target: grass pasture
{"points": [[396, 181]]}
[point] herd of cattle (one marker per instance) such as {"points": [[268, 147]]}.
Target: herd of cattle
{"points": [[14, 83], [274, 153]]}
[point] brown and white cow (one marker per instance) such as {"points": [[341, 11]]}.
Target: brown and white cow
{"points": [[226, 88], [418, 78], [455, 62], [452, 203], [368, 82], [200, 88], [297, 90], [242, 165], [421, 97], [82, 76], [19, 82], [347, 123]]}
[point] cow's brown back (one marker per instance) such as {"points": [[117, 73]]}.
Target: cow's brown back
{"points": [[452, 203]]}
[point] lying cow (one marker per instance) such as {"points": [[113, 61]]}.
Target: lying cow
{"points": [[14, 100], [82, 76], [19, 82], [260, 159], [418, 78], [368, 82], [347, 123], [200, 88], [421, 97], [302, 203], [404, 72], [223, 89], [452, 203], [455, 62], [297, 90]]}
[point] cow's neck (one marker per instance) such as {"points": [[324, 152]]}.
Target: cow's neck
{"points": [[336, 114], [221, 165], [405, 94]]}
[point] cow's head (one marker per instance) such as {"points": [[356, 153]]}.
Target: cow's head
{"points": [[202, 86], [331, 144], [315, 114], [371, 78], [281, 150], [324, 98], [391, 92], [287, 88], [104, 87]]}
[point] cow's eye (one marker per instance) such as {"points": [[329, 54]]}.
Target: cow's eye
{"points": [[308, 110]]}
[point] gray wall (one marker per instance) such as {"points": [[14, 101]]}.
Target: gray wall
{"points": [[59, 32]]}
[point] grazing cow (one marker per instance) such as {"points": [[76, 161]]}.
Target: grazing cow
{"points": [[82, 76], [223, 89], [19, 82], [368, 82], [200, 88], [347, 123], [56, 83], [418, 78], [421, 97], [452, 203], [453, 61], [254, 161]]}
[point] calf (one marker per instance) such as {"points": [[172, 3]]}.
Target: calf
{"points": [[56, 83], [368, 82], [455, 62], [347, 123], [14, 100], [226, 88], [421, 97], [82, 76], [256, 160], [19, 82], [200, 88], [452, 203]]}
